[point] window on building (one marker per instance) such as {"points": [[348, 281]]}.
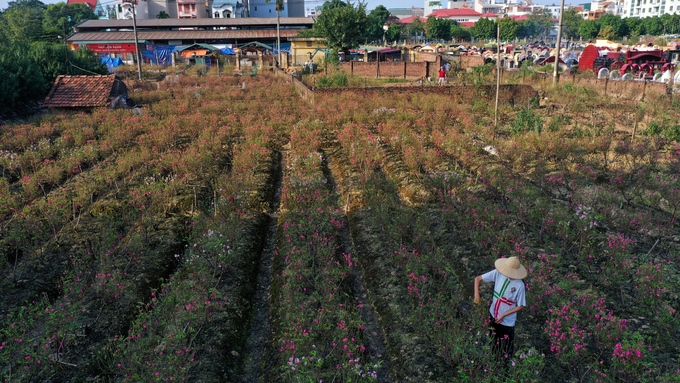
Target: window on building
{"points": [[309, 44]]}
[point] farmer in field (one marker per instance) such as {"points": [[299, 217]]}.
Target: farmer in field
{"points": [[508, 299]]}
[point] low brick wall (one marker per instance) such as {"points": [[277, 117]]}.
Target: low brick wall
{"points": [[471, 61], [304, 92], [632, 90], [513, 94], [386, 69]]}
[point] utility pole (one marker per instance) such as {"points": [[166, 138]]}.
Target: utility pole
{"points": [[134, 29], [558, 45], [279, 8]]}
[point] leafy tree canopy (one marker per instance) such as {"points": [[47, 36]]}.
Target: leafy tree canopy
{"points": [[619, 27], [571, 21], [483, 29], [60, 19], [393, 32], [343, 27], [653, 26], [588, 29], [22, 21], [436, 29], [606, 33], [542, 21], [458, 32], [375, 21], [509, 28], [328, 5], [416, 28]]}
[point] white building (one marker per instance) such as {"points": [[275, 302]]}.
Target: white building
{"points": [[431, 6], [648, 8], [227, 9], [291, 8], [453, 4], [124, 10]]}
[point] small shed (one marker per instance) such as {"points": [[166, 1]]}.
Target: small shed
{"points": [[86, 92], [255, 47], [196, 53]]}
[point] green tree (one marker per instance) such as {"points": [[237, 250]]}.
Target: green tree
{"points": [[671, 23], [438, 29], [571, 21], [619, 27], [22, 21], [60, 19], [162, 15], [375, 21], [328, 5], [653, 26], [393, 32], [459, 33], [606, 33], [635, 26], [416, 28], [588, 29], [525, 29], [508, 27], [343, 27], [21, 83], [483, 29], [542, 22]]}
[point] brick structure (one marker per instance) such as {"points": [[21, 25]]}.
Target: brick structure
{"points": [[513, 94], [387, 69], [613, 88]]}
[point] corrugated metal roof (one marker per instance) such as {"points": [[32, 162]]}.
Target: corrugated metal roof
{"points": [[246, 22], [178, 35]]}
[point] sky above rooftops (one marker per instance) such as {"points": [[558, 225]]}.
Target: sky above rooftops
{"points": [[370, 4]]}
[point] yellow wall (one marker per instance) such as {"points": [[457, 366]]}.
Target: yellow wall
{"points": [[300, 51]]}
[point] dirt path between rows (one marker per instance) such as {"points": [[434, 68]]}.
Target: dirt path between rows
{"points": [[373, 336], [258, 357]]}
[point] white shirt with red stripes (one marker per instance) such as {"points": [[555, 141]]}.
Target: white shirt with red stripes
{"points": [[507, 294]]}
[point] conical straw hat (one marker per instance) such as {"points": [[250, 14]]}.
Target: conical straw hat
{"points": [[511, 268]]}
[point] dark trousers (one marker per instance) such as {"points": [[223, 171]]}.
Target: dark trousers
{"points": [[503, 340]]}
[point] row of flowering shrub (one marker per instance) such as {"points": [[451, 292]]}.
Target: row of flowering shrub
{"points": [[318, 329], [602, 206]]}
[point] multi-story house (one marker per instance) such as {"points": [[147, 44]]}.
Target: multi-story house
{"points": [[94, 5], [227, 9], [648, 8]]}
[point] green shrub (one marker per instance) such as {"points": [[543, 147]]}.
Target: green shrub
{"points": [[526, 121], [668, 132], [332, 81]]}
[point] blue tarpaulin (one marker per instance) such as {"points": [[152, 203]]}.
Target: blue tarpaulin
{"points": [[227, 51], [159, 54], [111, 62]]}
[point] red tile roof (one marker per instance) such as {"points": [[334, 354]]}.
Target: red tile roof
{"points": [[410, 19], [606, 3], [456, 12], [578, 9], [466, 24], [519, 18], [91, 3], [83, 91], [489, 14]]}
